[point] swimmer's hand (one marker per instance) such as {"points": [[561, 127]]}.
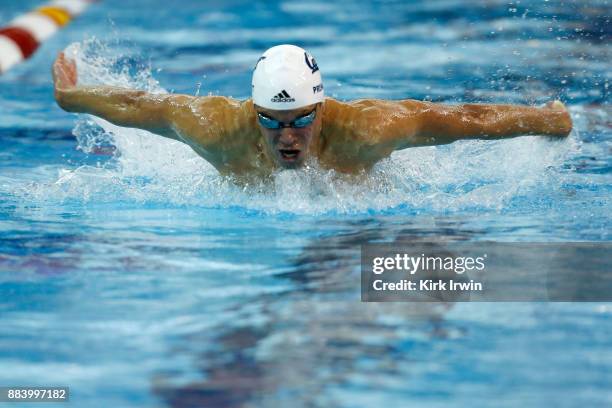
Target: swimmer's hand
{"points": [[561, 115], [64, 73], [65, 76]]}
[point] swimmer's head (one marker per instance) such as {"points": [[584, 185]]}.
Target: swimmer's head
{"points": [[288, 99], [286, 77]]}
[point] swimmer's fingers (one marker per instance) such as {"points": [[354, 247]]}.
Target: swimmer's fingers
{"points": [[58, 71], [64, 72], [556, 105], [70, 70], [559, 114]]}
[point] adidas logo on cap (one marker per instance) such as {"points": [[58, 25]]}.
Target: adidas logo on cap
{"points": [[283, 96]]}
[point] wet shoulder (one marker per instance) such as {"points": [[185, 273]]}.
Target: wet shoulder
{"points": [[346, 135], [221, 121], [237, 146], [357, 120], [359, 133], [230, 114]]}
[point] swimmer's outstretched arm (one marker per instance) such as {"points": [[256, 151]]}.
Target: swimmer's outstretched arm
{"points": [[441, 124], [179, 117]]}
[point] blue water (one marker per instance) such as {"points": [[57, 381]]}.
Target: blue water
{"points": [[130, 272]]}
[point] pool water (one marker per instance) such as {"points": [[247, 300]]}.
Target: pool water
{"points": [[132, 273]]}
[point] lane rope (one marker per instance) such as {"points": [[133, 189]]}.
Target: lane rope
{"points": [[20, 38]]}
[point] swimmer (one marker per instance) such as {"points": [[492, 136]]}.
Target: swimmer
{"points": [[289, 123]]}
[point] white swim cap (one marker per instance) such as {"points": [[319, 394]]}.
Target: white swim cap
{"points": [[286, 77]]}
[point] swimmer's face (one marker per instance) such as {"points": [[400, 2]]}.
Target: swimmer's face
{"points": [[288, 134]]}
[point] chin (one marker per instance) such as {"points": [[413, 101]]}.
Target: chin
{"points": [[292, 164]]}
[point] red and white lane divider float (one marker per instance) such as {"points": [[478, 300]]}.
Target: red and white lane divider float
{"points": [[22, 36]]}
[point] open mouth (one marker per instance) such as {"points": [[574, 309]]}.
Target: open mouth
{"points": [[289, 154]]}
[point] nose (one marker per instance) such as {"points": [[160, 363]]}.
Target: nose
{"points": [[287, 137]]}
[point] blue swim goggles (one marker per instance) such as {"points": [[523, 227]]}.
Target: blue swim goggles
{"points": [[300, 122]]}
